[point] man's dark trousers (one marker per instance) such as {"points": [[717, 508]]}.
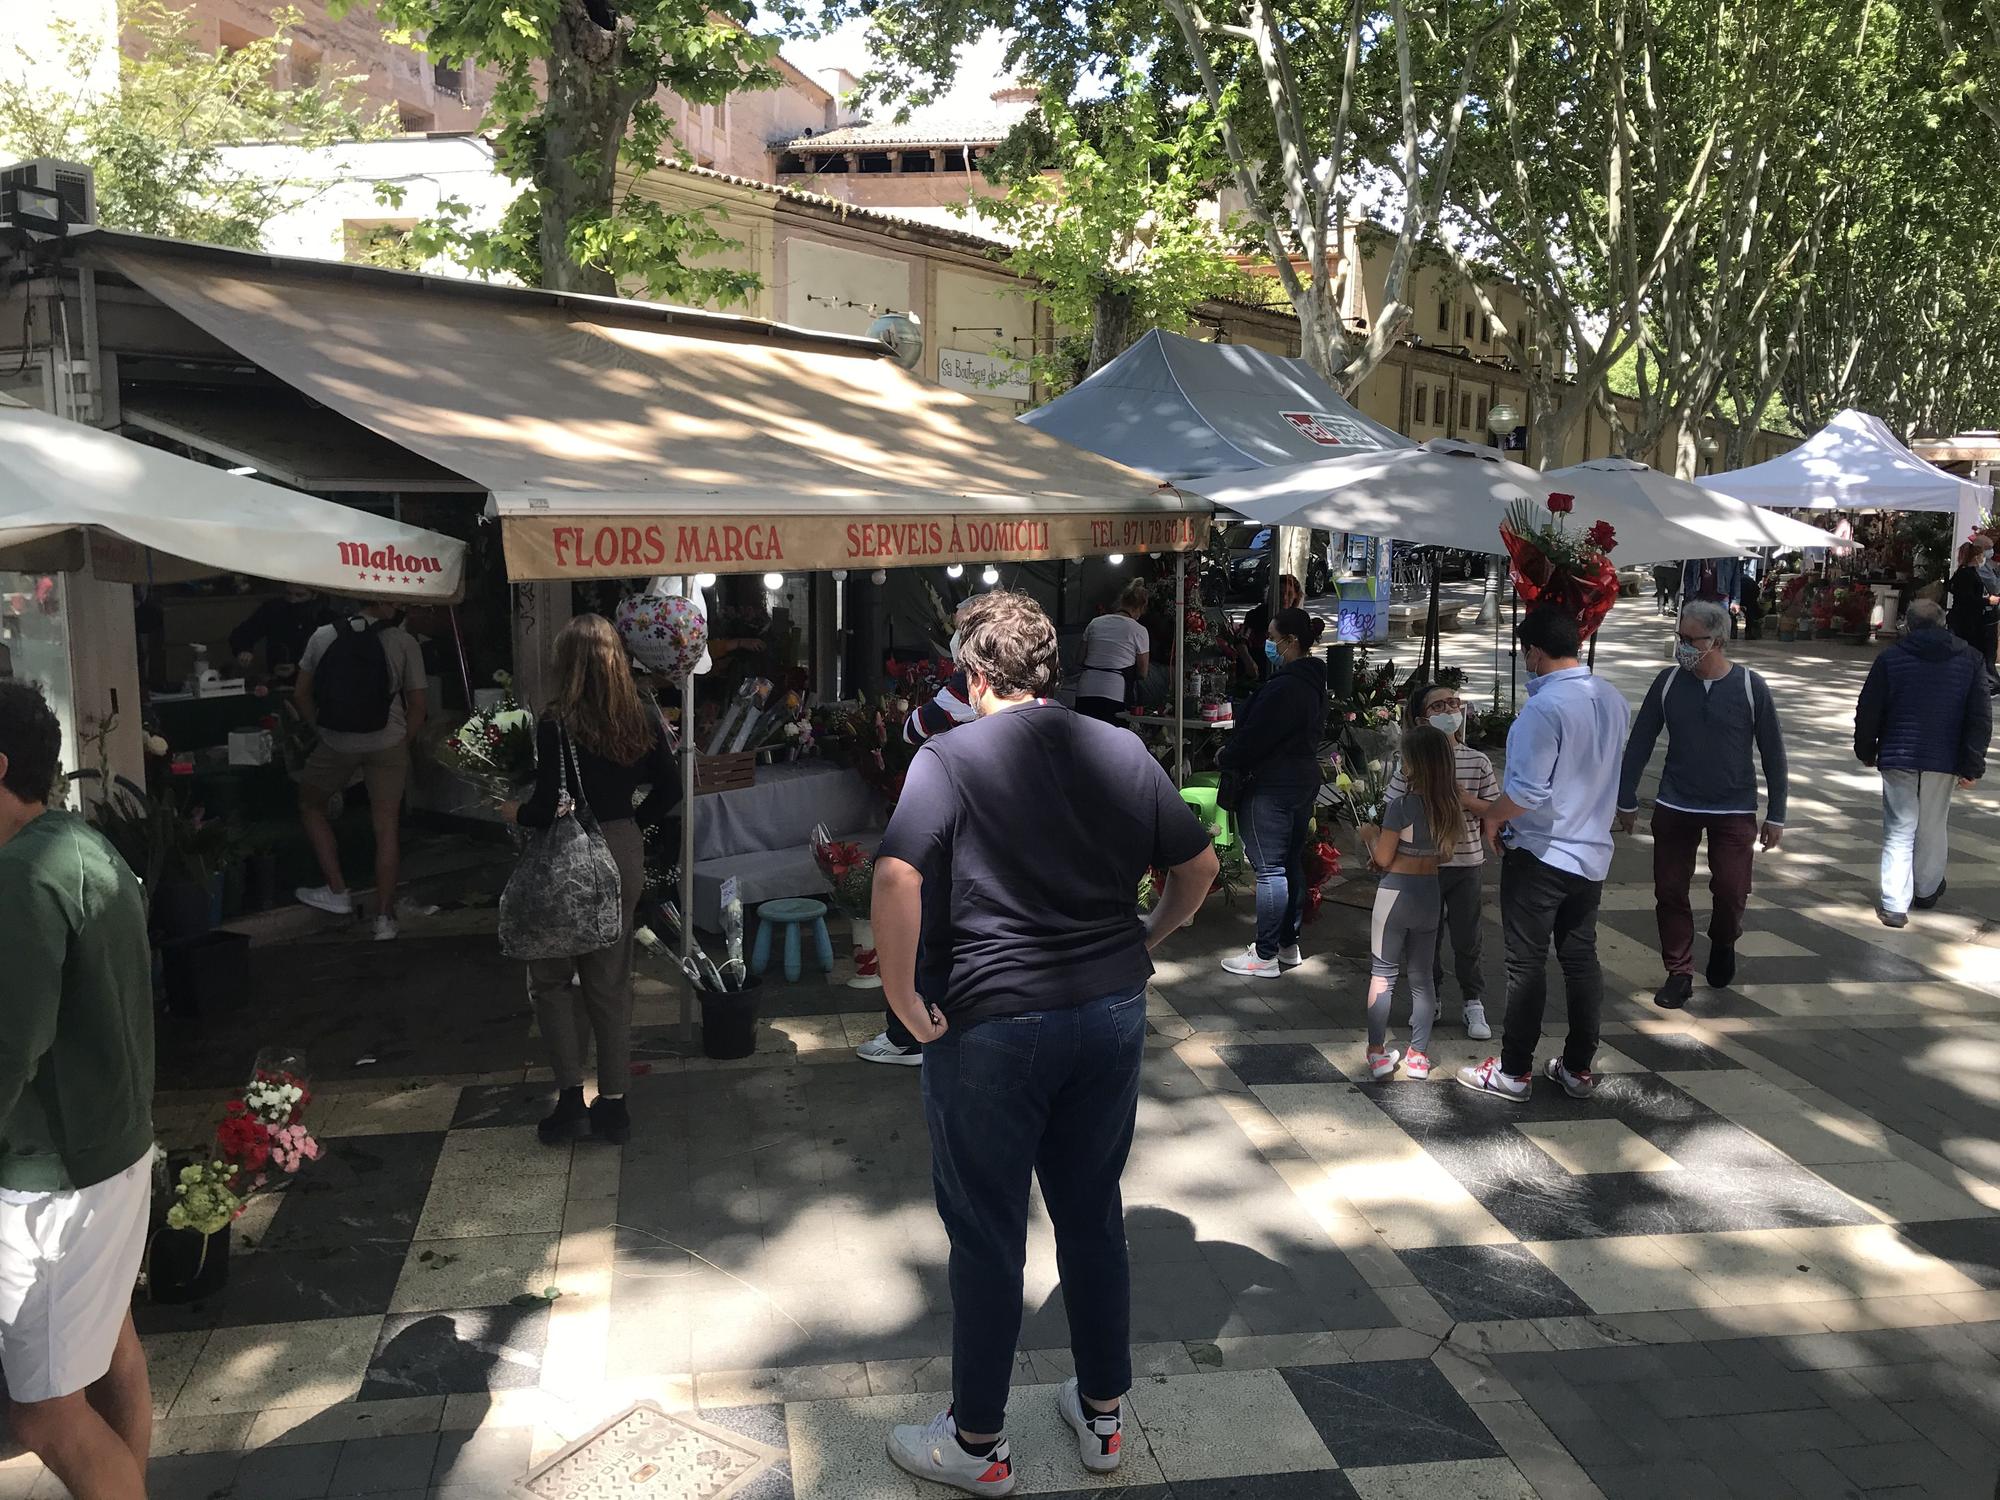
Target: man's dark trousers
{"points": [[1732, 849], [1540, 903]]}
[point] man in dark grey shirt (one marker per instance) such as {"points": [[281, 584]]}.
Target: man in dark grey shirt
{"points": [[1714, 713]]}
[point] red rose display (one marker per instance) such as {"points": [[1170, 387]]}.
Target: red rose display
{"points": [[1556, 568], [1561, 504]]}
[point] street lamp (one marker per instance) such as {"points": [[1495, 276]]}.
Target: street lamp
{"points": [[1500, 421]]}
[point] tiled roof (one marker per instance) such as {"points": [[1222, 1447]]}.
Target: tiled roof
{"points": [[981, 130], [931, 220]]}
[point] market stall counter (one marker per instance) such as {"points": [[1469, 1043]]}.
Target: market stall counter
{"points": [[759, 835]]}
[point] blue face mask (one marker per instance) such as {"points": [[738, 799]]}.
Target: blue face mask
{"points": [[1271, 652]]}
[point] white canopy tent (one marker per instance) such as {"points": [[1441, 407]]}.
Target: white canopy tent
{"points": [[70, 492], [1856, 463], [1443, 494], [1732, 526]]}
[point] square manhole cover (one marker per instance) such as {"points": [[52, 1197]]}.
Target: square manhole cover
{"points": [[647, 1454]]}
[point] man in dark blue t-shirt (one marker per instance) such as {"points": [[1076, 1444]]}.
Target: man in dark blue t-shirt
{"points": [[1006, 917]]}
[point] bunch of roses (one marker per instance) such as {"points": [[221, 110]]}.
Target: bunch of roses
{"points": [[292, 1147], [242, 1138]]}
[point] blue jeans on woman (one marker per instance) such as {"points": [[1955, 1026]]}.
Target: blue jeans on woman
{"points": [[1273, 822], [1053, 1093]]}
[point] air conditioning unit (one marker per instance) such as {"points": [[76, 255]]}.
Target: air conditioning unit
{"points": [[44, 196]]}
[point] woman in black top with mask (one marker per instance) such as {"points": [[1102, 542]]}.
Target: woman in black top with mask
{"points": [[616, 746], [1275, 744]]}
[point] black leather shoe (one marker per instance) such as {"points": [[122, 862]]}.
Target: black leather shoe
{"points": [[1675, 992], [1893, 918], [610, 1121], [1721, 965], [567, 1121], [1925, 903]]}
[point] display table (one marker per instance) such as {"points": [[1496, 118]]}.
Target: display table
{"points": [[759, 835]]}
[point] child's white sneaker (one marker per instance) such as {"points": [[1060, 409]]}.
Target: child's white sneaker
{"points": [[1382, 1064]]}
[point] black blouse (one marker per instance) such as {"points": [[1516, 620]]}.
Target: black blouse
{"points": [[606, 786]]}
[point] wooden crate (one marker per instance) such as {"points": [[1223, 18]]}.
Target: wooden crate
{"points": [[725, 773]]}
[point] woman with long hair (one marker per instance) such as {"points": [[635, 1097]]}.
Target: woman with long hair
{"points": [[1420, 828], [1275, 747], [1117, 652], [1257, 625], [598, 743]]}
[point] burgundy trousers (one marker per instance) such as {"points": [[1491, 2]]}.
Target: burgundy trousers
{"points": [[1732, 843]]}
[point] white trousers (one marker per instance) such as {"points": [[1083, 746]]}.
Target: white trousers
{"points": [[1916, 806]]}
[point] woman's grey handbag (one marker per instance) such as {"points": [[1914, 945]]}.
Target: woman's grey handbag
{"points": [[564, 897]]}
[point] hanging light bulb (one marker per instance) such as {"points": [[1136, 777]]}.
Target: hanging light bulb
{"points": [[956, 570], [1115, 559], [774, 581], [878, 577], [840, 575], [991, 576], [704, 580]]}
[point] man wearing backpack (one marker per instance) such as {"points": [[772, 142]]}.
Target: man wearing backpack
{"points": [[1715, 714], [361, 685]]}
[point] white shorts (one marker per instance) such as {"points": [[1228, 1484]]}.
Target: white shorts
{"points": [[68, 1263]]}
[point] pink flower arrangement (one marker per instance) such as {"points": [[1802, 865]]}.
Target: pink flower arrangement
{"points": [[292, 1147]]}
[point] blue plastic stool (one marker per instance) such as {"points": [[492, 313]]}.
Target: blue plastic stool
{"points": [[791, 914]]}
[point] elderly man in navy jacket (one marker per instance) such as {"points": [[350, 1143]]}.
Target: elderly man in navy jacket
{"points": [[1924, 720]]}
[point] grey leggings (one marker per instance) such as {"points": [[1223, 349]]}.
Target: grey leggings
{"points": [[1403, 939]]}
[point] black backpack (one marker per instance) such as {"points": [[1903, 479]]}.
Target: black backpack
{"points": [[352, 686]]}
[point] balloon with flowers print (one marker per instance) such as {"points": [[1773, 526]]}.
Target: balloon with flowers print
{"points": [[1555, 567], [666, 635]]}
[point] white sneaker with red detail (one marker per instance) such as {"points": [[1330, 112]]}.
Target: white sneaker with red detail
{"points": [[1576, 1085], [1486, 1078], [1248, 963], [932, 1452], [1099, 1435], [1382, 1064], [1416, 1064]]}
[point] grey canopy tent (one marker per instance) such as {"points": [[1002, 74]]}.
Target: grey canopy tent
{"points": [[1174, 407]]}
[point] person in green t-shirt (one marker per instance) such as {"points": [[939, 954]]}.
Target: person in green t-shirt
{"points": [[76, 1129]]}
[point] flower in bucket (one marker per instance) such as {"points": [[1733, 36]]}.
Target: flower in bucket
{"points": [[205, 1197]]}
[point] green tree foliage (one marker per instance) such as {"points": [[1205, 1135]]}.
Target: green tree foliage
{"points": [[577, 101], [1970, 30], [1121, 241], [159, 142]]}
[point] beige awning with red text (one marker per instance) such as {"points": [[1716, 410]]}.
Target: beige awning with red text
{"points": [[620, 439]]}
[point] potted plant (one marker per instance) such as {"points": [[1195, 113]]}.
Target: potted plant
{"points": [[261, 1140], [850, 875]]}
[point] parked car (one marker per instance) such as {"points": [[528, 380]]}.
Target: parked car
{"points": [[1250, 549]]}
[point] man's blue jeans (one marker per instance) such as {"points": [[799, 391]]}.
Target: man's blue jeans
{"points": [[1053, 1093], [1274, 821], [1916, 813]]}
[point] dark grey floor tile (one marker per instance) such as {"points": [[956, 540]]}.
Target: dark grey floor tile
{"points": [[382, 1465], [364, 1190], [484, 1106], [288, 1471], [1279, 1062], [1319, 1484], [457, 1353], [1682, 1480], [190, 1476], [1481, 1283], [1972, 1245], [1399, 1411], [283, 1286], [1671, 1052]]}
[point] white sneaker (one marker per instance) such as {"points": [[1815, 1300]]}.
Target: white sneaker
{"points": [[879, 1049], [1247, 962], [1383, 1064], [1475, 1022], [325, 898], [385, 930], [1099, 1435], [1290, 958], [1486, 1078], [932, 1452]]}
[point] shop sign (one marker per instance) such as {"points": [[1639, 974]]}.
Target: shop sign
{"points": [[610, 547], [984, 374], [1330, 431]]}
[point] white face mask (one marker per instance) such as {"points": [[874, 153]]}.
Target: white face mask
{"points": [[1447, 723]]}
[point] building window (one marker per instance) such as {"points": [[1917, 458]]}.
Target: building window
{"points": [[415, 121], [1521, 335], [1471, 322], [1464, 411], [448, 80], [1484, 407], [790, 164], [303, 65], [1444, 316], [1420, 408]]}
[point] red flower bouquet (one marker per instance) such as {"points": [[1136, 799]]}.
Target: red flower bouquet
{"points": [[1556, 568], [848, 870]]}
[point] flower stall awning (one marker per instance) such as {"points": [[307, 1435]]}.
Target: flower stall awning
{"points": [[68, 492], [1855, 463], [1443, 494], [1733, 527], [1174, 407], [621, 438]]}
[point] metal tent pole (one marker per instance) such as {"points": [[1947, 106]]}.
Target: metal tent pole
{"points": [[1179, 674], [1433, 653], [688, 753]]}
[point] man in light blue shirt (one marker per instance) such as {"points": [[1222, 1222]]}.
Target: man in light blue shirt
{"points": [[1553, 819]]}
